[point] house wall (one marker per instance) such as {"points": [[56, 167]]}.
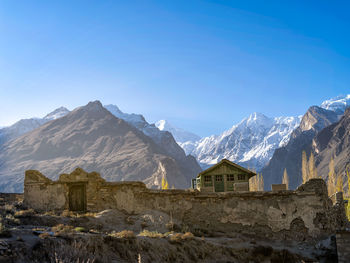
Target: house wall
{"points": [[224, 170], [307, 212]]}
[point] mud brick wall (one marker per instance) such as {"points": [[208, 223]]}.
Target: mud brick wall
{"points": [[304, 213]]}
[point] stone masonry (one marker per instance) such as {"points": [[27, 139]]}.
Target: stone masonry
{"points": [[301, 214]]}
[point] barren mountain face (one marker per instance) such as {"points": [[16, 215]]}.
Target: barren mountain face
{"points": [[333, 141], [94, 139], [289, 156]]}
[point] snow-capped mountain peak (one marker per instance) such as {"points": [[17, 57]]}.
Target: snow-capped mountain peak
{"points": [[136, 120], [337, 104], [180, 135], [57, 113], [251, 142]]}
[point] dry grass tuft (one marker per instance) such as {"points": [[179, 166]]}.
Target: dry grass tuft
{"points": [[24, 213], [179, 237], [44, 235], [49, 213], [153, 234], [62, 229], [12, 220], [67, 213], [124, 234], [9, 208]]}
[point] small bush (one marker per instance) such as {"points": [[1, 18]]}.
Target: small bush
{"points": [[80, 229], [67, 213], [44, 235], [124, 234], [9, 208], [153, 234], [24, 213], [176, 237], [179, 237], [39, 229], [88, 214], [62, 229], [49, 213], [188, 235], [170, 226], [12, 220]]}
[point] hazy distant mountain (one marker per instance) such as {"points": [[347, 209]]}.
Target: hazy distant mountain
{"points": [[289, 156], [27, 125], [94, 139], [250, 143], [180, 135]]}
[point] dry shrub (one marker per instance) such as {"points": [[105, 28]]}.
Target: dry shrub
{"points": [[188, 235], [44, 235], [124, 234], [12, 220], [49, 213], [67, 213], [9, 208], [88, 214], [61, 251], [153, 234], [179, 237], [39, 229], [62, 229], [24, 213]]}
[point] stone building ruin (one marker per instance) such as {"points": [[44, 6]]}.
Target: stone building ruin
{"points": [[307, 211]]}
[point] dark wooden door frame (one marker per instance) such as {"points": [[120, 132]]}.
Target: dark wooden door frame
{"points": [[70, 185]]}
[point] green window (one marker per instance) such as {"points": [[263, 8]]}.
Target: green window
{"points": [[241, 177], [207, 180], [230, 177], [218, 178]]}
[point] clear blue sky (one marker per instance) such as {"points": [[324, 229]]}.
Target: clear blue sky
{"points": [[203, 65]]}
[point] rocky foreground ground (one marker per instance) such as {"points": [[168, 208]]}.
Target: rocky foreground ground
{"points": [[115, 236]]}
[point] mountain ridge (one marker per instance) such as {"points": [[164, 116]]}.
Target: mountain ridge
{"points": [[92, 138]]}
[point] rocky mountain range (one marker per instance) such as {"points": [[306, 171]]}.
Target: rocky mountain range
{"points": [[94, 139], [269, 144], [265, 144], [180, 135], [334, 142], [250, 143], [26, 125], [289, 156]]}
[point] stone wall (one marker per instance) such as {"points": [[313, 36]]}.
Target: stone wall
{"points": [[343, 246], [304, 213]]}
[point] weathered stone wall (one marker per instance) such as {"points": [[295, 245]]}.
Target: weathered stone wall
{"points": [[304, 213], [343, 246]]}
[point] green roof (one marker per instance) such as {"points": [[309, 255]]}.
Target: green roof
{"points": [[229, 163]]}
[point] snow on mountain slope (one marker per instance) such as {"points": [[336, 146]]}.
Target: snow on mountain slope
{"points": [[337, 104], [163, 139], [180, 135], [26, 125], [58, 113], [251, 142]]}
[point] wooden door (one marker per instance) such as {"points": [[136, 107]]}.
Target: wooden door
{"points": [[219, 183], [77, 197]]}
